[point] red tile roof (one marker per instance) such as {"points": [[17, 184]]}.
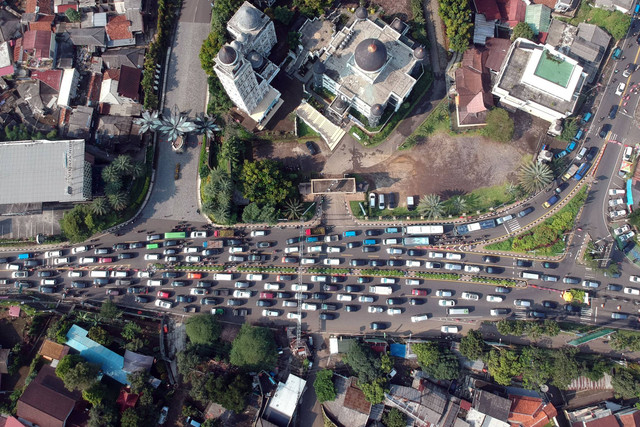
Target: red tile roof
{"points": [[126, 400], [608, 421], [118, 28], [64, 7], [93, 94], [51, 78], [129, 83], [37, 41], [489, 8], [354, 398], [550, 3], [17, 50], [111, 75], [497, 50], [630, 420], [44, 23], [45, 7], [530, 411]]}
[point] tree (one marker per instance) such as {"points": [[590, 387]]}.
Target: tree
{"points": [[81, 376], [293, 40], [324, 387], [188, 361], [110, 173], [130, 418], [99, 206], [203, 329], [138, 169], [131, 331], [457, 205], [283, 14], [394, 418], [431, 206], [254, 348], [58, 330], [118, 201], [229, 390], [135, 344], [537, 367], [138, 381], [73, 225], [438, 363], [95, 393], [67, 363], [251, 213], [457, 20], [522, 30], [373, 391], [123, 164], [263, 182], [625, 340], [499, 126], [103, 416], [570, 128], [109, 311], [626, 383], [427, 353], [312, 8], [114, 186], [566, 367], [503, 365], [73, 15], [99, 335], [364, 362], [534, 176], [293, 209], [472, 345]]}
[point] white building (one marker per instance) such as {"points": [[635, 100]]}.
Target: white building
{"points": [[243, 68], [283, 404], [68, 86], [539, 80]]}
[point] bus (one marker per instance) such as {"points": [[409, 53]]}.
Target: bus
{"points": [[582, 171], [424, 229], [458, 311], [175, 235], [153, 246]]}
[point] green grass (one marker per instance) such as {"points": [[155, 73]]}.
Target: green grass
{"points": [[304, 130], [400, 212], [290, 270], [377, 272], [441, 276], [486, 197], [615, 23], [437, 121]]}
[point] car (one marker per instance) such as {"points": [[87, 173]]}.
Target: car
{"points": [[52, 254], [237, 258], [126, 255], [629, 69], [101, 251], [395, 263], [395, 251], [367, 249], [185, 298], [571, 280], [413, 263], [178, 283], [619, 316], [419, 292], [357, 262], [547, 264], [104, 260], [263, 245], [470, 296], [163, 294], [376, 326], [381, 204], [208, 301], [309, 306], [613, 287], [170, 274], [616, 192], [443, 293], [448, 329], [372, 199], [170, 251], [620, 89], [394, 311], [415, 252], [372, 232], [351, 308], [75, 273], [163, 304], [144, 274], [504, 219], [342, 297], [626, 236], [537, 314], [377, 263], [141, 299], [151, 257], [494, 270], [453, 256], [616, 202], [413, 282], [522, 303], [87, 260], [416, 301], [429, 264], [313, 150], [328, 316], [323, 296], [45, 273], [119, 246], [549, 304], [613, 111], [80, 284], [551, 201], [631, 291], [495, 298], [289, 260], [621, 230], [271, 313], [472, 268], [498, 311], [590, 284], [604, 130], [171, 258], [490, 259], [523, 263], [525, 212], [560, 188], [446, 303], [241, 294], [618, 213], [199, 291], [634, 279], [353, 288], [137, 290], [164, 412], [136, 245], [301, 295], [198, 234], [376, 309], [19, 274]]}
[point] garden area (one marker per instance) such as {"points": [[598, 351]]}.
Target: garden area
{"points": [[615, 23]]}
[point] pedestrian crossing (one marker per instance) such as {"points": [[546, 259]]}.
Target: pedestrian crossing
{"points": [[512, 225]]}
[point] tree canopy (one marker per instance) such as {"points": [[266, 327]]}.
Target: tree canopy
{"points": [[439, 363], [522, 30], [499, 126], [324, 387], [394, 418], [81, 376], [229, 390], [254, 348], [264, 183], [456, 16], [503, 365], [364, 362], [472, 345], [203, 329], [626, 383]]}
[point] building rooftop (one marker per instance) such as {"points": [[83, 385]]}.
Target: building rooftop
{"points": [[354, 398], [538, 16], [53, 350], [316, 35], [129, 56], [248, 20], [492, 405], [282, 405], [42, 171], [554, 69]]}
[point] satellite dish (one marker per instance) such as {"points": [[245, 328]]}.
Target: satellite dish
{"points": [[544, 388]]}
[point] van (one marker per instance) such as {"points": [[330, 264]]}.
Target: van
{"points": [[308, 261], [388, 280], [14, 267], [79, 249], [292, 249], [412, 282], [350, 233], [156, 282], [344, 297], [628, 151], [581, 154], [151, 257], [31, 263], [458, 311], [314, 249], [48, 282], [452, 266], [223, 276], [435, 254], [370, 242], [331, 261], [498, 311], [255, 276], [587, 117], [99, 273], [522, 303], [122, 273], [319, 279], [530, 275], [271, 286], [392, 241], [289, 303], [453, 255], [256, 233], [381, 201], [419, 318]]}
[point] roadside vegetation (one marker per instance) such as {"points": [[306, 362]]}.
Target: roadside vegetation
{"points": [[371, 370], [456, 16], [615, 23], [21, 133]]}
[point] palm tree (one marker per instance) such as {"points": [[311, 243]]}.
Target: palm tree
{"points": [[119, 200], [148, 122], [221, 214], [512, 190], [534, 176], [457, 205], [138, 169], [175, 125], [431, 206], [100, 206], [113, 187], [123, 164], [205, 125], [110, 173], [293, 209]]}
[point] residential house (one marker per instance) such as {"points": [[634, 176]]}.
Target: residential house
{"points": [[426, 405], [497, 50], [40, 7], [120, 86], [540, 80], [473, 86], [10, 27], [538, 17], [91, 37], [623, 6], [126, 399], [61, 6], [38, 96], [36, 49], [527, 411], [282, 406], [491, 405], [604, 414], [52, 78], [45, 401], [51, 350], [93, 19], [512, 11], [79, 123], [117, 130], [43, 23], [350, 408], [128, 56], [68, 87], [6, 59], [483, 29], [120, 32]]}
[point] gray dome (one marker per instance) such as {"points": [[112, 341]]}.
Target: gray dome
{"points": [[227, 55], [397, 25], [370, 55], [319, 67], [256, 59], [248, 18], [242, 37], [340, 104], [237, 46], [361, 13], [419, 52], [377, 110]]}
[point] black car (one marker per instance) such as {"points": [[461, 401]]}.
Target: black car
{"points": [[47, 289], [591, 154], [136, 290], [256, 258], [628, 247], [351, 308], [45, 273], [204, 284], [604, 130], [353, 288], [369, 248], [264, 244], [240, 312], [357, 262], [337, 279], [264, 303], [142, 299], [613, 111], [329, 306], [377, 263], [494, 270], [547, 264], [491, 259], [393, 301], [372, 232], [283, 295], [523, 263], [391, 203], [327, 316], [352, 245], [416, 301], [537, 314], [327, 287], [396, 263], [613, 287], [170, 274], [525, 212], [377, 326], [549, 304], [313, 150], [170, 243], [321, 295], [560, 188], [210, 252], [293, 240], [136, 245], [234, 302], [185, 298], [415, 252], [570, 308], [190, 309], [125, 255]]}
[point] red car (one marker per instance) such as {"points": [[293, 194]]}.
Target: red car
{"points": [[267, 295], [194, 276], [163, 294], [420, 292], [105, 260]]}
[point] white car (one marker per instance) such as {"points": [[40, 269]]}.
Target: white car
{"points": [[151, 257], [472, 269], [198, 234], [271, 286], [429, 264], [470, 296], [79, 249], [163, 415], [192, 250], [634, 279], [344, 297], [163, 304], [232, 249], [626, 236], [375, 309], [320, 278], [495, 298], [198, 291], [413, 263], [394, 251], [450, 329], [446, 303], [258, 233], [620, 89], [617, 214], [64, 260], [256, 277], [314, 249], [435, 254], [632, 291], [394, 311], [388, 280], [193, 258], [442, 293], [392, 241], [334, 249], [308, 261], [420, 318], [621, 230], [616, 202], [293, 249], [73, 273], [309, 306], [270, 313], [171, 258], [616, 192], [241, 294], [52, 254], [87, 260], [299, 288], [453, 255], [293, 316], [144, 274], [331, 261], [372, 200], [413, 282]]}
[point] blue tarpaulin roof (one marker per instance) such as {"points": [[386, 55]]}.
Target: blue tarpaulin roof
{"points": [[399, 350], [110, 362], [629, 195]]}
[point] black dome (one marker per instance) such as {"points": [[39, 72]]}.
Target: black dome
{"points": [[420, 52], [319, 67], [370, 55], [361, 13], [256, 59], [227, 55], [377, 110], [397, 25]]}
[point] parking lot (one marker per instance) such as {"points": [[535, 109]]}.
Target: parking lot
{"points": [[28, 226]]}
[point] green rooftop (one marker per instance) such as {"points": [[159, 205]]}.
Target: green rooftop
{"points": [[553, 69]]}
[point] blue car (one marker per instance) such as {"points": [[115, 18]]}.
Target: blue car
{"points": [[561, 154], [571, 146]]}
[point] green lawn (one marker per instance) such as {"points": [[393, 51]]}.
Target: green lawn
{"points": [[304, 130], [486, 197], [437, 121], [615, 23]]}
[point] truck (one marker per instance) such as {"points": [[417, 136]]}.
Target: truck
{"points": [[570, 172], [467, 228], [316, 231], [424, 229], [224, 232], [416, 241], [213, 244], [24, 256], [381, 290]]}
